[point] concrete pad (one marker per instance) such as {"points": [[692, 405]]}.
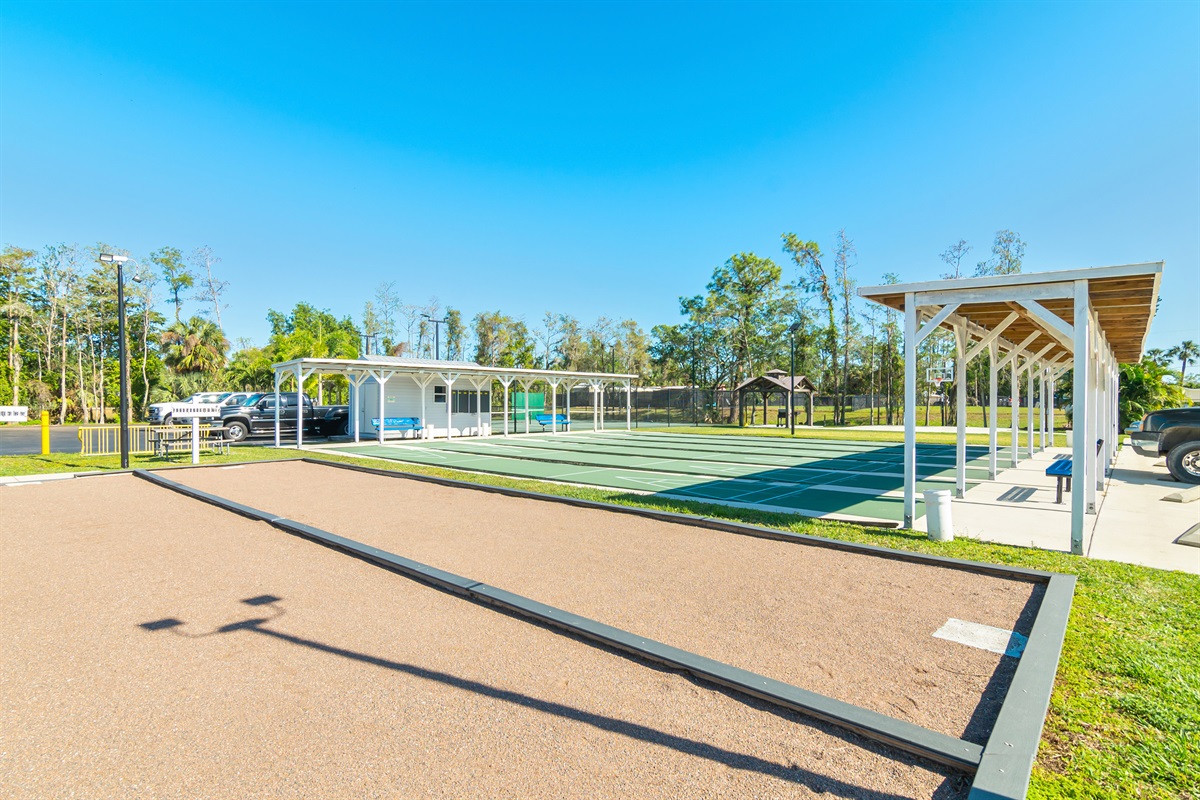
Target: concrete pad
{"points": [[1135, 523]]}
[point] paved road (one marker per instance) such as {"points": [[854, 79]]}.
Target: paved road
{"points": [[18, 440]]}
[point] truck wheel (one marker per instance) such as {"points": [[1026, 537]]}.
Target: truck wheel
{"points": [[237, 431], [1184, 462], [168, 420]]}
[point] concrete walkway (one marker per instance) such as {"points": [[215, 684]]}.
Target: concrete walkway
{"points": [[1135, 524]]}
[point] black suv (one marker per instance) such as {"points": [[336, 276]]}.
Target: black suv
{"points": [[1174, 433]]}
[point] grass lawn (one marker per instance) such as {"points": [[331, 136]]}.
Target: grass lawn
{"points": [[1124, 719]]}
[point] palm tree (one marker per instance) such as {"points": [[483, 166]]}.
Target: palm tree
{"points": [[195, 346], [1158, 356], [1142, 390], [1185, 352]]}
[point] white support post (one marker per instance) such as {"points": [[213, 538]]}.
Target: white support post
{"points": [[277, 408], [628, 405], [1042, 408], [553, 383], [478, 409], [525, 386], [1015, 402], [596, 389], [910, 409], [1050, 385], [449, 378], [506, 381], [355, 414], [567, 387], [299, 407], [195, 440], [600, 404], [993, 399], [1030, 387], [1093, 404], [1079, 416], [960, 410], [381, 381]]}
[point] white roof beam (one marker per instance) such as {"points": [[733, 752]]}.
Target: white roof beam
{"points": [[991, 336], [1018, 350], [1051, 323], [996, 294], [937, 319]]}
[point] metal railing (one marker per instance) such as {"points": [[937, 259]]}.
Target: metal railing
{"points": [[103, 440]]}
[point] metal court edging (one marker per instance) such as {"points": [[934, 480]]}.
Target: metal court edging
{"points": [[911, 738]]}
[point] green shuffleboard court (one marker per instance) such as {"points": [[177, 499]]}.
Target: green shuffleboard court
{"points": [[815, 477]]}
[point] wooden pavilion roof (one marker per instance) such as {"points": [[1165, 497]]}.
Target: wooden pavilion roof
{"points": [[1123, 298]]}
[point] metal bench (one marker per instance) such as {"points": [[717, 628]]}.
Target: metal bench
{"points": [[1061, 468], [559, 420], [399, 424]]}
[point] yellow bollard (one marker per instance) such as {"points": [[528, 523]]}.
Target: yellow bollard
{"points": [[45, 433]]}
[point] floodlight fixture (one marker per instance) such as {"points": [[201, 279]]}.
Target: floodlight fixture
{"points": [[110, 258]]}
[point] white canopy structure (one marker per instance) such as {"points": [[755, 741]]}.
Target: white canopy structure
{"points": [[426, 372], [1044, 324]]}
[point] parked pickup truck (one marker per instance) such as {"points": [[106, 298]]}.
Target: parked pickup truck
{"points": [[255, 416], [1174, 433], [164, 413]]}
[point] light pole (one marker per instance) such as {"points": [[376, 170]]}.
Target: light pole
{"points": [[437, 326], [795, 327], [109, 258], [693, 343]]}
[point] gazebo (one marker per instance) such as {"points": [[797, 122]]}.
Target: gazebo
{"points": [[1043, 324], [776, 381]]}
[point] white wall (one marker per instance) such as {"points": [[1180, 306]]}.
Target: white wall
{"points": [[402, 398]]}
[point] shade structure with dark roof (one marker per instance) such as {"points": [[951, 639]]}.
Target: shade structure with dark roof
{"points": [[1043, 324], [777, 381]]}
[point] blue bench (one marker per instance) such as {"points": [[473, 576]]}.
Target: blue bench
{"points": [[399, 424], [1061, 468], [560, 420]]}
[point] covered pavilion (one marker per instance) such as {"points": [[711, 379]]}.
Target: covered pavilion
{"points": [[1042, 324], [421, 376], [776, 381]]}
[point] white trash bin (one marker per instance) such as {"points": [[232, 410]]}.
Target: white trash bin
{"points": [[937, 515]]}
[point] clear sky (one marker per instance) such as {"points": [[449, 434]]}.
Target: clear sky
{"points": [[599, 159]]}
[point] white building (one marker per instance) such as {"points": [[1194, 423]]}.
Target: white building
{"points": [[447, 398]]}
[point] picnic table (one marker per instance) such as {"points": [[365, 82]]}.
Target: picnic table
{"points": [[178, 438]]}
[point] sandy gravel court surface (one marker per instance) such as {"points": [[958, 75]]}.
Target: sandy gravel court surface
{"points": [[133, 667], [853, 627]]}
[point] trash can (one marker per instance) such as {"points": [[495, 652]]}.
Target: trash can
{"points": [[937, 515]]}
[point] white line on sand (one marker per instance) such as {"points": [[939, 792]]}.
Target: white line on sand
{"points": [[985, 637]]}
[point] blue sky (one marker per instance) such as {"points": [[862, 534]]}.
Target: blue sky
{"points": [[599, 159]]}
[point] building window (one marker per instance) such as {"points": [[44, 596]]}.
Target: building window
{"points": [[439, 394], [465, 401]]}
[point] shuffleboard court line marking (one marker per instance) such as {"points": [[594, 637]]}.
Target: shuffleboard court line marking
{"points": [[938, 747], [465, 448]]}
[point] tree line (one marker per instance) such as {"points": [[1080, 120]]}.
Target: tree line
{"points": [[61, 340]]}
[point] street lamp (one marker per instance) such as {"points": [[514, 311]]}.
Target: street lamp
{"points": [[109, 258], [793, 330], [693, 343], [437, 323]]}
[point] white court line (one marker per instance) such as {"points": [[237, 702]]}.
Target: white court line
{"points": [[984, 637]]}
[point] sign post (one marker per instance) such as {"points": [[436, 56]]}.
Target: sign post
{"points": [[196, 412]]}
